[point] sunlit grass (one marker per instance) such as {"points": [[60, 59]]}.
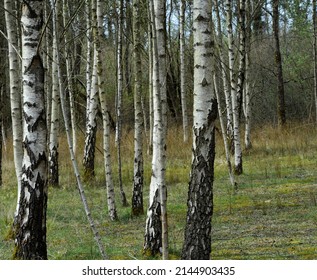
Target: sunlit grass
{"points": [[273, 215]]}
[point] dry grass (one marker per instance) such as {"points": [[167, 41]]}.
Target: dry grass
{"points": [[271, 216]]}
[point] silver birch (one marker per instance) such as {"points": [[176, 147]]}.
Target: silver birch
{"points": [[30, 242], [197, 243], [137, 195], [15, 95], [98, 21], [235, 106]]}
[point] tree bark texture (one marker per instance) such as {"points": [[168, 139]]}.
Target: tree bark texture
{"points": [[30, 240], [137, 194], [156, 225], [197, 243]]}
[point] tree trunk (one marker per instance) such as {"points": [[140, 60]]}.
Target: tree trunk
{"points": [[281, 112], [98, 22], [15, 95], [92, 109], [234, 96], [137, 196], [118, 135], [30, 242], [156, 224], [67, 54], [182, 70], [197, 243], [54, 127]]}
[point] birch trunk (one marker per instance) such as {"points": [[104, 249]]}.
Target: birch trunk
{"points": [[182, 69], [223, 67], [91, 125], [234, 98], [197, 243], [156, 222], [67, 55], [55, 105], [118, 135], [112, 211], [30, 242], [15, 95], [137, 195]]}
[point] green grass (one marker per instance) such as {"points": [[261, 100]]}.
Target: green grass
{"points": [[273, 215]]}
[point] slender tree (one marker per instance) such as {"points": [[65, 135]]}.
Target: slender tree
{"points": [[234, 94], [137, 195], [156, 222], [98, 31], [91, 122], [197, 243], [182, 69], [281, 111], [30, 242], [55, 109], [15, 94]]}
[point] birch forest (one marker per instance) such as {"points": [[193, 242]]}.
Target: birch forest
{"points": [[151, 129]]}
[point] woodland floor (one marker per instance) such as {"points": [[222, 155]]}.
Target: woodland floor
{"points": [[272, 215]]}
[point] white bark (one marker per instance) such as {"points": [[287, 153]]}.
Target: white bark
{"points": [[55, 106], [137, 197], [69, 77], [30, 239], [234, 98], [156, 230], [75, 164], [15, 96], [105, 117], [197, 243], [92, 109], [182, 70]]}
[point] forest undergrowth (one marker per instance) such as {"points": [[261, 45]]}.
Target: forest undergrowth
{"points": [[271, 215]]}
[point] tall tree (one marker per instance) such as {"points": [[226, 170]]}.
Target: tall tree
{"points": [[234, 93], [15, 87], [119, 97], [30, 242], [197, 243], [91, 114], [137, 196], [55, 107], [182, 69], [156, 224], [281, 111], [98, 39]]}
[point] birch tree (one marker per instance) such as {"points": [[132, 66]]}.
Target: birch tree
{"points": [[156, 224], [30, 242], [91, 122], [55, 106], [234, 94], [197, 243], [98, 24], [182, 44], [137, 194], [15, 95]]}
